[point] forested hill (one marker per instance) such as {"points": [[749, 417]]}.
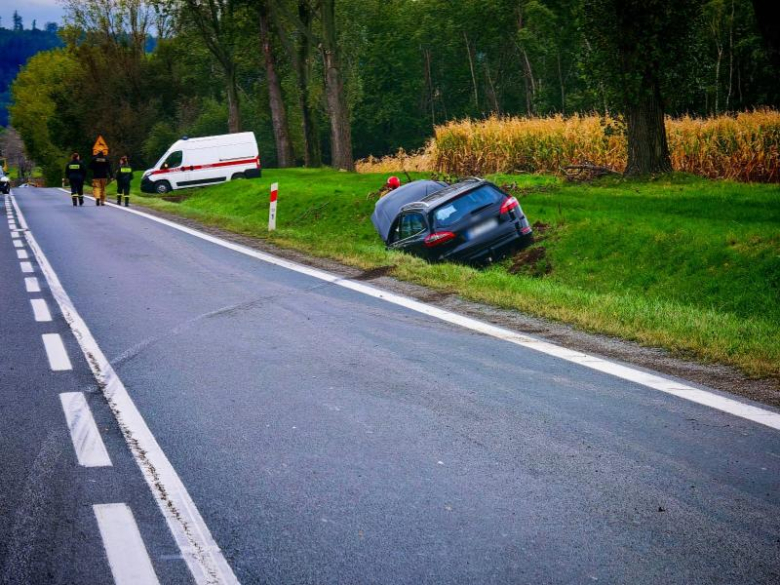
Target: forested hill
{"points": [[16, 46]]}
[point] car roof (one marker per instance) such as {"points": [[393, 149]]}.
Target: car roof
{"points": [[388, 207], [444, 195]]}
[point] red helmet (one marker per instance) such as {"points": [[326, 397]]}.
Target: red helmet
{"points": [[394, 182]]}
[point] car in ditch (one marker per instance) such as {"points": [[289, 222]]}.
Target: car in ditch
{"points": [[198, 162], [472, 221]]}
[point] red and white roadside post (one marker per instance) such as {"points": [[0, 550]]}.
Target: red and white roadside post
{"points": [[272, 210]]}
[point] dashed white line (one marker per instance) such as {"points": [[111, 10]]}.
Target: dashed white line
{"points": [[89, 447], [203, 556], [130, 563], [56, 352], [26, 266], [18, 243], [22, 254], [40, 310], [679, 389], [15, 235], [31, 284]]}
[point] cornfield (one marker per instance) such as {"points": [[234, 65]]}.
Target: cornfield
{"points": [[401, 161], [744, 147]]}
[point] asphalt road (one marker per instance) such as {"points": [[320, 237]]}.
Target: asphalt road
{"points": [[326, 436]]}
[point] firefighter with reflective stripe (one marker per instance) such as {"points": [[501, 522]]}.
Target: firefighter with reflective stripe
{"points": [[76, 172], [101, 173], [124, 175]]}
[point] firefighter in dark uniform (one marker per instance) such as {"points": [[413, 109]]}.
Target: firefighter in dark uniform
{"points": [[124, 175], [76, 172], [101, 173]]}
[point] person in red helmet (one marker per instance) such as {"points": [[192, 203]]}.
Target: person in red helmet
{"points": [[393, 183]]}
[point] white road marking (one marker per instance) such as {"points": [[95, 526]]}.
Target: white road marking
{"points": [[31, 284], [199, 550], [22, 254], [26, 266], [18, 243], [681, 390], [40, 310], [87, 442], [15, 235], [56, 352], [130, 563]]}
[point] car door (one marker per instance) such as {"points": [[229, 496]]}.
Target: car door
{"points": [[174, 171], [409, 233]]}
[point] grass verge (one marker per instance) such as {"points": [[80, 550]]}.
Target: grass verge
{"points": [[683, 263]]}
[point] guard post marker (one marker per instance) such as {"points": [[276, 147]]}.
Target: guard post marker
{"points": [[272, 210]]}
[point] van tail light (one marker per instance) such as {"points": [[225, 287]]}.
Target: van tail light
{"points": [[437, 238], [509, 203]]}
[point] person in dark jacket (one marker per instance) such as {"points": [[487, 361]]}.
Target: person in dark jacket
{"points": [[101, 173], [124, 175], [76, 172]]}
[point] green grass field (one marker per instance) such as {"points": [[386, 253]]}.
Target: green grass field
{"points": [[687, 264]]}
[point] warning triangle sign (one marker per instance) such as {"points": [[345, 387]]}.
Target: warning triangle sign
{"points": [[100, 145]]}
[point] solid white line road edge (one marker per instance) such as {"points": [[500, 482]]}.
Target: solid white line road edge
{"points": [[127, 556], [649, 380], [56, 352], [87, 442], [199, 550]]}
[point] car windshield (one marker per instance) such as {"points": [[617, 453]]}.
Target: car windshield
{"points": [[453, 211]]}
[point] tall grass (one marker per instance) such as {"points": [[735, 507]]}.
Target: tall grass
{"points": [[744, 147]]}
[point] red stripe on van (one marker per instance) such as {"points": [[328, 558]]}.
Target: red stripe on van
{"points": [[231, 163]]}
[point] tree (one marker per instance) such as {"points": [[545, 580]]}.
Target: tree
{"points": [[335, 95], [18, 25], [297, 47], [639, 43], [284, 150], [769, 25], [218, 23], [35, 111]]}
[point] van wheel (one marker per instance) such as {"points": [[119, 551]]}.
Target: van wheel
{"points": [[162, 187], [238, 176]]}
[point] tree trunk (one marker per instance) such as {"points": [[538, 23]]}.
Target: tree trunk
{"points": [[234, 112], [429, 85], [561, 83], [530, 82], [471, 67], [648, 151], [340, 131], [284, 149], [312, 157], [731, 57]]}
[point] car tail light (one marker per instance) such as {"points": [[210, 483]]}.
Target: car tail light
{"points": [[437, 238], [525, 230], [509, 203]]}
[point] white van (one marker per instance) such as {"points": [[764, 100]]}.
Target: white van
{"points": [[195, 162]]}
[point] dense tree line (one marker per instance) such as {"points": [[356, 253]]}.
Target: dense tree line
{"points": [[334, 80]]}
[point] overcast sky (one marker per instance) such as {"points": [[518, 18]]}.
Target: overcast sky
{"points": [[41, 10]]}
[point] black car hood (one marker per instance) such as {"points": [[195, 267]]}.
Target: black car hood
{"points": [[387, 207]]}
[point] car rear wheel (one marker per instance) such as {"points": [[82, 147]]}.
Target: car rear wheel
{"points": [[238, 176], [162, 187]]}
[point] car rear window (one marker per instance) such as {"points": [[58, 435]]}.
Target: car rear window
{"points": [[453, 211]]}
